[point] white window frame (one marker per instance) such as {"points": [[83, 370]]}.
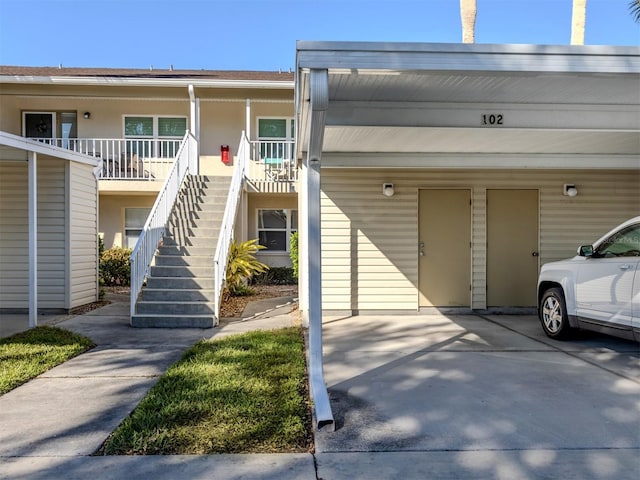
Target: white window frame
{"points": [[288, 230], [290, 134], [127, 228], [155, 135]]}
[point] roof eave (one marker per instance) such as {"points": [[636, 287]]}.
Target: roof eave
{"points": [[148, 82]]}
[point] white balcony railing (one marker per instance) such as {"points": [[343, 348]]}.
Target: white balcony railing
{"points": [[125, 159], [272, 161]]}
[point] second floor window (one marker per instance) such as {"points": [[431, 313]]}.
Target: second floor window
{"points": [[154, 136], [276, 138]]}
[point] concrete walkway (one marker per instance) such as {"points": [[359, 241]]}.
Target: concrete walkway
{"points": [[414, 397], [50, 427]]}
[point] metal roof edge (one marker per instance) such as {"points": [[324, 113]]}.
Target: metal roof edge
{"points": [[396, 57], [426, 47]]}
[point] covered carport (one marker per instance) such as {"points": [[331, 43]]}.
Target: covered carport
{"points": [[48, 228], [550, 131]]}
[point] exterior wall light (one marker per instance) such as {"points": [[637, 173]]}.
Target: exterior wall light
{"points": [[387, 189], [570, 190], [87, 115]]}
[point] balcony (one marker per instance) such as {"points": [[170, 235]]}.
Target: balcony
{"points": [[272, 162], [272, 167], [125, 159]]}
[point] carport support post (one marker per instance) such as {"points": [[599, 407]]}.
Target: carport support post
{"points": [[319, 99], [33, 239]]}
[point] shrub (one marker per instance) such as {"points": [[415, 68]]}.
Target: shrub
{"points": [[293, 254], [242, 265], [115, 269], [276, 276]]}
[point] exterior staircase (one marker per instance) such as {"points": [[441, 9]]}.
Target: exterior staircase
{"points": [[179, 291]]}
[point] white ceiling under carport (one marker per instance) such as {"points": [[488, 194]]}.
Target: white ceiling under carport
{"points": [[426, 98]]}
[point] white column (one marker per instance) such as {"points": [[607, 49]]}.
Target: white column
{"points": [[319, 102], [33, 239]]}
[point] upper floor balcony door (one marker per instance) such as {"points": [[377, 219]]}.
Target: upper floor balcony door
{"points": [[63, 126]]}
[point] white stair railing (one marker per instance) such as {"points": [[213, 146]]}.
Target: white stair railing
{"points": [[154, 227], [229, 220]]}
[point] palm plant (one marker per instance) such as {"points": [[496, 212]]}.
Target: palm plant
{"points": [[578, 19], [634, 8], [468, 11], [242, 265]]}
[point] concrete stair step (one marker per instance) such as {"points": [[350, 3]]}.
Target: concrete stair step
{"points": [[181, 250], [173, 321], [180, 231], [180, 283], [175, 308], [212, 221], [210, 242], [173, 295], [184, 260], [183, 271]]}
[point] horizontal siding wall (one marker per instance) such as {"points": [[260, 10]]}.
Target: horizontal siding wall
{"points": [[370, 242], [83, 251], [14, 235]]}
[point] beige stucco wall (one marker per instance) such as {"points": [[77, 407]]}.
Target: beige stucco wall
{"points": [[111, 216], [369, 242]]}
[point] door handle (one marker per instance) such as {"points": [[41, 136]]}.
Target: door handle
{"points": [[624, 266]]}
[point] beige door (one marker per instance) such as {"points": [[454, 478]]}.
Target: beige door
{"points": [[512, 248], [444, 248]]}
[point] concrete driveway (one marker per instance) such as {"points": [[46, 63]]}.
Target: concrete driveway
{"points": [[435, 396]]}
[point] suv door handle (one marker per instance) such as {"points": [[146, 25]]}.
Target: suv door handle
{"points": [[624, 266]]}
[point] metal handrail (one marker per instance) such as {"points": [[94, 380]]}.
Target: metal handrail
{"points": [[228, 221], [154, 228]]}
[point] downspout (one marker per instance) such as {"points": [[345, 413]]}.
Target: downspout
{"points": [[247, 119], [194, 104], [319, 103]]}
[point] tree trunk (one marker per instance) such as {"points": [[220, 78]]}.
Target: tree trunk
{"points": [[468, 17], [578, 18]]}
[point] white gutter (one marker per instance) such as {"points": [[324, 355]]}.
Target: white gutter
{"points": [[148, 82]]}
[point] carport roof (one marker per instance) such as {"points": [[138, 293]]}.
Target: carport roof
{"points": [[410, 98]]}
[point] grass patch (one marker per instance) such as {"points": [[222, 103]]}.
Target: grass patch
{"points": [[240, 394], [28, 354]]}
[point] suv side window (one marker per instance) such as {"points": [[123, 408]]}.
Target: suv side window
{"points": [[625, 243]]}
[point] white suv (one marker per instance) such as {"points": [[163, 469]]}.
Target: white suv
{"points": [[597, 290]]}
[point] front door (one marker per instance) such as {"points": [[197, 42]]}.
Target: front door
{"points": [[39, 125], [444, 248], [512, 248]]}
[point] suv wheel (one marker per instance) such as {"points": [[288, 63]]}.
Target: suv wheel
{"points": [[553, 314]]}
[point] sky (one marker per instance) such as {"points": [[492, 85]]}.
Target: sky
{"points": [[262, 34]]}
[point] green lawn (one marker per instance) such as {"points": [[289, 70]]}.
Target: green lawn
{"points": [[240, 394], [28, 354]]}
